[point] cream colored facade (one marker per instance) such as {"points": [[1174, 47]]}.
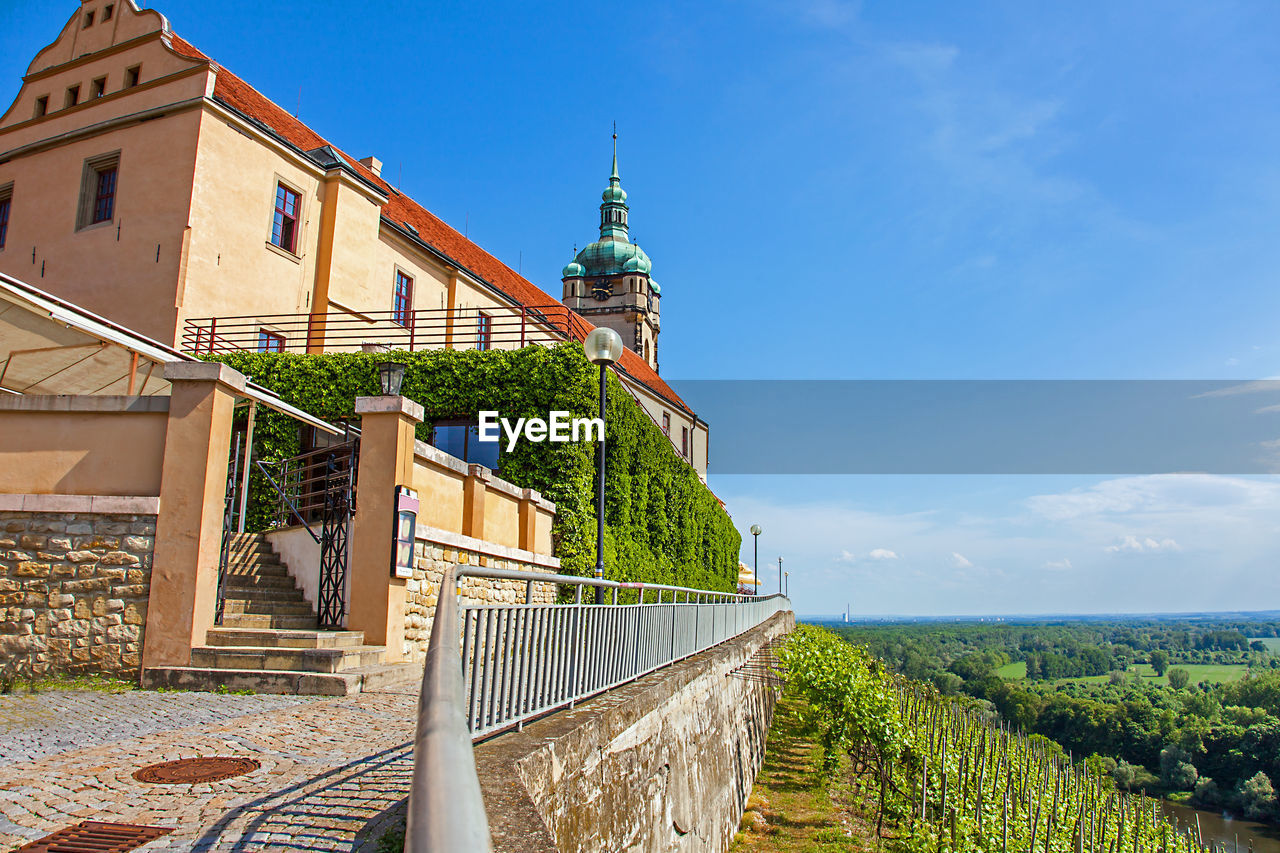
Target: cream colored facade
{"points": [[199, 157]]}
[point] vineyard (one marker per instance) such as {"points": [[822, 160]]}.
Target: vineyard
{"points": [[950, 776]]}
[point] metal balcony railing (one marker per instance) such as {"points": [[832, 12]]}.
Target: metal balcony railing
{"points": [[492, 667], [498, 327]]}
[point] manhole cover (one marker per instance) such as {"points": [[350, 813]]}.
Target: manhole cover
{"points": [[190, 770], [92, 836]]}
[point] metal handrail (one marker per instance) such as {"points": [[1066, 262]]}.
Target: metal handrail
{"points": [[446, 808], [421, 328], [517, 662], [284, 497]]}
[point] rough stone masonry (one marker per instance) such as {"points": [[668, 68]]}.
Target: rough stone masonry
{"points": [[73, 591]]}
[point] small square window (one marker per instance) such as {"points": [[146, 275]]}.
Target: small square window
{"points": [[402, 313], [484, 331], [98, 190], [132, 76], [42, 106], [270, 341], [88, 20], [6, 202], [73, 95], [99, 87], [284, 223], [107, 11]]}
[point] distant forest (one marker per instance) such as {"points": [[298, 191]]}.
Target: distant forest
{"points": [[1188, 709]]}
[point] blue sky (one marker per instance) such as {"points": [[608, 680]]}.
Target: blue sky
{"points": [[875, 190]]}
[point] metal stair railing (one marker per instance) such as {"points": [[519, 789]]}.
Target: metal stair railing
{"points": [[491, 667]]}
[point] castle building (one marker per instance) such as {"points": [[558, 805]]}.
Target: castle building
{"points": [[610, 282], [146, 182]]}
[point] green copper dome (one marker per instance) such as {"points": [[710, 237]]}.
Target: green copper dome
{"points": [[613, 253], [611, 257]]}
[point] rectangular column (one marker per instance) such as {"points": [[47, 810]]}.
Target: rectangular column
{"points": [[193, 483], [377, 599]]}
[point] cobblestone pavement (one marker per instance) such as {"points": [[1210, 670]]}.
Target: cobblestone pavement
{"points": [[43, 724], [334, 774]]}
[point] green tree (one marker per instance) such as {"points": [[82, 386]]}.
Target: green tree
{"points": [[1178, 678], [1176, 770], [1124, 775], [1256, 796], [1160, 661]]}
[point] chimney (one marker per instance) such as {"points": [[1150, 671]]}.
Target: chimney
{"points": [[374, 165]]}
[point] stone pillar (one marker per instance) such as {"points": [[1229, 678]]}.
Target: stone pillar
{"points": [[197, 447], [529, 520], [377, 600], [473, 497]]}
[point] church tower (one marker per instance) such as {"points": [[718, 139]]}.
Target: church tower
{"points": [[608, 282]]}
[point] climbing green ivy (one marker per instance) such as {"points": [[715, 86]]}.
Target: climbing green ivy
{"points": [[662, 525]]}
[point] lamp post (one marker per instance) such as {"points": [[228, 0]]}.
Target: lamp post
{"points": [[603, 347], [390, 377], [779, 575], [755, 565], [787, 586]]}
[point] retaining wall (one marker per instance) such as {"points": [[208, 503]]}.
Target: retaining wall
{"points": [[663, 764], [435, 550], [74, 584]]}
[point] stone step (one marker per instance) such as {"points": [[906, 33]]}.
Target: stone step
{"points": [[269, 621], [265, 594], [281, 681], [293, 660], [248, 564], [256, 581], [282, 639], [235, 606]]}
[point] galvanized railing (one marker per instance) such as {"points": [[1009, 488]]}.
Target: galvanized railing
{"points": [[514, 662]]}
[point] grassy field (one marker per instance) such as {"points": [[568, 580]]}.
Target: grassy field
{"points": [[790, 811], [1213, 673], [1015, 671], [1272, 643]]}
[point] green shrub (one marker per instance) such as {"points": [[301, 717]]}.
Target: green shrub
{"points": [[662, 524]]}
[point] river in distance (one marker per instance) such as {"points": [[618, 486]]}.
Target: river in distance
{"points": [[1217, 827]]}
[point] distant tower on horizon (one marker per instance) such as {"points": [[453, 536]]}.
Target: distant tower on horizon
{"points": [[609, 281]]}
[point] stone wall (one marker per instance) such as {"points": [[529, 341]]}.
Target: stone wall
{"points": [[663, 764], [73, 591], [431, 558]]}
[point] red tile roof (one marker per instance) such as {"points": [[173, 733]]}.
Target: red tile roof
{"points": [[234, 92]]}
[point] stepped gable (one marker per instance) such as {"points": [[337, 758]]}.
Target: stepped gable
{"points": [[243, 98]]}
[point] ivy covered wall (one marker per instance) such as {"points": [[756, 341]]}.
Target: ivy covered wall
{"points": [[662, 525]]}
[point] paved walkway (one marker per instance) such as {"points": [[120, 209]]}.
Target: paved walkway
{"points": [[334, 774]]}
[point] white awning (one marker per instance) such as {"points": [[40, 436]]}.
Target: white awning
{"points": [[50, 346]]}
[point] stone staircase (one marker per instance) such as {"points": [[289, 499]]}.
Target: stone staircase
{"points": [[269, 641]]}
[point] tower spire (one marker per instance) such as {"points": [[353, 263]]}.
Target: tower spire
{"points": [[613, 178]]}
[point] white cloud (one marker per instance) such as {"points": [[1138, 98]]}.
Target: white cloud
{"points": [[848, 557], [960, 561], [1157, 494], [882, 554], [1062, 565], [1144, 545]]}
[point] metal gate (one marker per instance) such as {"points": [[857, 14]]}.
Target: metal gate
{"points": [[229, 505], [317, 489], [338, 497]]}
